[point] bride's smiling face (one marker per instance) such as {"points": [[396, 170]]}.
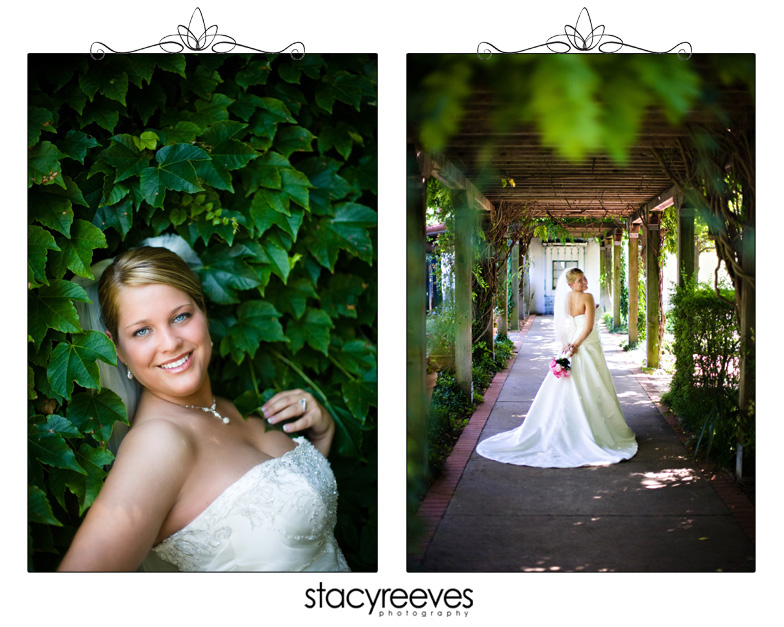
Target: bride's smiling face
{"points": [[580, 284], [163, 338]]}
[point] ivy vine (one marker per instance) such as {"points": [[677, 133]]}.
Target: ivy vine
{"points": [[267, 166]]}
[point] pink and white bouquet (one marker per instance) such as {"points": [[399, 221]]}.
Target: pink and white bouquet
{"points": [[560, 367]]}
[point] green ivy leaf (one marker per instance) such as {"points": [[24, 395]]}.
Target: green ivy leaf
{"points": [[249, 403], [95, 413], [77, 144], [140, 68], [203, 81], [293, 139], [225, 148], [211, 111], [76, 362], [264, 172], [342, 296], [328, 186], [39, 241], [255, 73], [358, 356], [175, 171], [174, 63], [359, 396], [92, 460], [74, 98], [38, 508], [297, 295], [101, 112], [351, 224], [118, 216], [148, 140], [244, 106], [43, 165], [47, 444], [348, 436], [76, 252], [223, 272], [38, 119], [296, 186], [324, 245], [290, 224], [313, 328], [181, 133], [257, 322], [278, 256], [124, 156], [51, 306], [290, 72], [341, 137], [350, 88], [265, 207]]}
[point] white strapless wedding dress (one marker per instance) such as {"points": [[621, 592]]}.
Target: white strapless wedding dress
{"points": [[279, 516], [573, 421]]}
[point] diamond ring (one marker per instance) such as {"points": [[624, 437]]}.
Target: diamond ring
{"points": [[303, 403]]}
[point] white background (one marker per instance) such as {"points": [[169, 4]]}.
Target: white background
{"points": [[390, 30]]}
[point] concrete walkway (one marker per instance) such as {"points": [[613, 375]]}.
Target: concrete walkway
{"points": [[658, 512]]}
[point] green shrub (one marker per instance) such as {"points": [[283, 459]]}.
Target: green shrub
{"points": [[267, 167], [450, 410], [440, 329], [703, 391], [504, 349]]}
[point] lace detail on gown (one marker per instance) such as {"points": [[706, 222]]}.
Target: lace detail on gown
{"points": [[573, 421], [279, 516]]}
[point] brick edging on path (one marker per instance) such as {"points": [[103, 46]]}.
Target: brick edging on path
{"points": [[440, 493]]}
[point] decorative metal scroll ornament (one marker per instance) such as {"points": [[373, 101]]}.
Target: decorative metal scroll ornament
{"points": [[197, 38], [583, 37]]}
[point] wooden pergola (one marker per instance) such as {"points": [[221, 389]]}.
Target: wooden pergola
{"points": [[595, 197]]}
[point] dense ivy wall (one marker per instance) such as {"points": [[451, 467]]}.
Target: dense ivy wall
{"points": [[267, 166]]}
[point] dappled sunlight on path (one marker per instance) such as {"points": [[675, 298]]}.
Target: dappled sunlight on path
{"points": [[658, 512]]}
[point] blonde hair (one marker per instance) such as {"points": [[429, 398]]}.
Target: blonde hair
{"points": [[572, 274], [144, 266]]}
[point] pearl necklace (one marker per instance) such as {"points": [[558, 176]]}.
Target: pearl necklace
{"points": [[211, 410]]}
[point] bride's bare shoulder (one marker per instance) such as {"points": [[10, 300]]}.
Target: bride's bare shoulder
{"points": [[157, 436]]}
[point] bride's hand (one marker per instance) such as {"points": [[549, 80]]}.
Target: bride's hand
{"points": [[314, 420]]}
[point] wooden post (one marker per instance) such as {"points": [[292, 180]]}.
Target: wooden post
{"points": [[634, 297], [685, 244], [416, 273], [616, 282], [525, 288], [744, 463], [465, 222], [515, 263], [503, 297], [602, 273], [652, 301]]}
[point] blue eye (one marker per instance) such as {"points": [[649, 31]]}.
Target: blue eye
{"points": [[182, 316], [141, 332]]}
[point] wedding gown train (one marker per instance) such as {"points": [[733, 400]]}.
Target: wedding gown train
{"points": [[573, 421], [279, 516]]}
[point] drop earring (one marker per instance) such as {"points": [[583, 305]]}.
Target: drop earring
{"points": [[130, 375]]}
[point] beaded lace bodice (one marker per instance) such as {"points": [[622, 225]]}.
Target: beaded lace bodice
{"points": [[279, 516]]}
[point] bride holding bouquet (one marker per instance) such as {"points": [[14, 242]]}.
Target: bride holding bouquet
{"points": [[575, 419]]}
